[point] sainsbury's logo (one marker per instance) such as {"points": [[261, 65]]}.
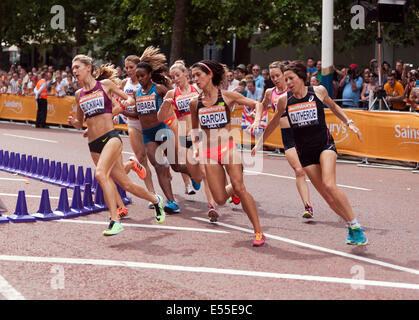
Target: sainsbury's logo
{"points": [[338, 131], [408, 134], [14, 106]]}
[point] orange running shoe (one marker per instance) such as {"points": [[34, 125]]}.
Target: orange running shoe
{"points": [[122, 213], [259, 239], [138, 168]]}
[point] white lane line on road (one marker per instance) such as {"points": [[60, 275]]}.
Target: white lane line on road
{"points": [[293, 178], [145, 226], [7, 291], [28, 196], [232, 272], [14, 179], [24, 137], [318, 248]]}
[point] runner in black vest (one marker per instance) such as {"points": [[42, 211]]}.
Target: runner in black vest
{"points": [[315, 146]]}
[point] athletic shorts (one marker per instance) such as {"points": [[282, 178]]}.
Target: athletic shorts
{"points": [[287, 138], [309, 156], [218, 153], [98, 144], [186, 141], [158, 134], [170, 121], [136, 124]]}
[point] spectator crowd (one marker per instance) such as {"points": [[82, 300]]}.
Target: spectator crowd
{"points": [[352, 87]]}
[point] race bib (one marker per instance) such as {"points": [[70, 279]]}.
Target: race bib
{"points": [[92, 103], [146, 104], [303, 114], [182, 102], [213, 117]]}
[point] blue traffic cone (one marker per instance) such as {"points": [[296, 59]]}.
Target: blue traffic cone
{"points": [[88, 177], [34, 166], [64, 174], [76, 204], [80, 178], [63, 208], [48, 178], [39, 168], [5, 160], [28, 165], [45, 213], [3, 219], [22, 165], [21, 212], [45, 170], [57, 173], [16, 164], [94, 184], [123, 194], [88, 204], [71, 178], [10, 163], [99, 199], [1, 159]]}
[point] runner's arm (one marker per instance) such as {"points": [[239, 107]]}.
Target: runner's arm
{"points": [[321, 92], [165, 112]]}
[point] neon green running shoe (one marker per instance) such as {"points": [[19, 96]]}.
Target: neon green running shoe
{"points": [[159, 213], [114, 228]]}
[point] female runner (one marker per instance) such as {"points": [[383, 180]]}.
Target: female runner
{"points": [[211, 112], [94, 103], [315, 146]]}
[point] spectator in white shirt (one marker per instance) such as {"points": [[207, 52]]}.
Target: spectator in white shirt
{"points": [[14, 84], [60, 86], [232, 83]]}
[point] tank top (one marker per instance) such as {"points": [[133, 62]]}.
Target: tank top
{"points": [[213, 117], [306, 118], [274, 99], [95, 101], [181, 101], [129, 89], [148, 103]]}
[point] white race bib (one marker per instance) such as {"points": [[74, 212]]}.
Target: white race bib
{"points": [[303, 114], [92, 103]]}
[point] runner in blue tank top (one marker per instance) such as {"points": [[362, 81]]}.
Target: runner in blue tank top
{"points": [[147, 100], [314, 144]]}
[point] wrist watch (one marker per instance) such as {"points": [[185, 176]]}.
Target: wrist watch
{"points": [[349, 122]]}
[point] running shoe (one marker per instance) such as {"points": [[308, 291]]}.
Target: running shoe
{"points": [[360, 238], [351, 236], [212, 214], [230, 200], [235, 198], [259, 239], [138, 168], [196, 185], [189, 190], [114, 228], [159, 213], [122, 213], [171, 207], [308, 212]]}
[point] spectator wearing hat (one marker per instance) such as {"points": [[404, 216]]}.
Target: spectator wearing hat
{"points": [[351, 83], [240, 72]]}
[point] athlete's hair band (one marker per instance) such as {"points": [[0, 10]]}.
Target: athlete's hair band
{"points": [[205, 66]]}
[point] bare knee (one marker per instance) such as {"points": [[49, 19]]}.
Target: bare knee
{"points": [[239, 188], [219, 199], [100, 175], [299, 172]]}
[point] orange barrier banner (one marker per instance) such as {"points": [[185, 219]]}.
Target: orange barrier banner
{"points": [[386, 135]]}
